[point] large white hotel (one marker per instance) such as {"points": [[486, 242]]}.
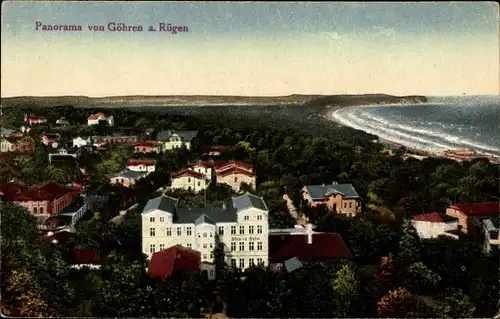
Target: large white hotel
{"points": [[242, 228]]}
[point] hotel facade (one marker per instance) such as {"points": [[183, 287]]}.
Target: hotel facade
{"points": [[242, 228]]}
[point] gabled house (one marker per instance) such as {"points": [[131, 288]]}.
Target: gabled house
{"points": [[34, 119], [146, 147], [433, 225], [141, 165], [175, 139], [205, 168], [339, 198], [127, 178], [47, 199], [23, 144], [189, 180], [50, 138], [234, 176], [304, 244], [221, 166], [95, 118], [470, 215]]}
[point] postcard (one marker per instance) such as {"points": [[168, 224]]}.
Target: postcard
{"points": [[249, 159]]}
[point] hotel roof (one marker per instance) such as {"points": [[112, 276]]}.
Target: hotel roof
{"points": [[434, 218], [248, 200], [325, 190], [478, 209]]}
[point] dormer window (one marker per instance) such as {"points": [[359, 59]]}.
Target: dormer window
{"points": [[246, 217]]}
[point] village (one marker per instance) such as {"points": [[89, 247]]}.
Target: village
{"points": [[170, 229]]}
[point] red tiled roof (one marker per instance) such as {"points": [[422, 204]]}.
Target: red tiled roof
{"points": [[141, 162], [47, 191], [96, 116], [176, 258], [223, 165], [478, 209], [434, 218], [145, 144], [235, 170], [324, 245], [187, 172], [35, 117]]}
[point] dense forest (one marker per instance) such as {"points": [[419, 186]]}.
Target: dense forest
{"points": [[393, 272]]}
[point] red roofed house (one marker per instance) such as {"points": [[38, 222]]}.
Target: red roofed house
{"points": [[189, 180], [146, 147], [33, 119], [304, 244], [235, 176], [141, 165], [205, 168], [234, 173], [433, 225], [174, 259], [215, 150], [470, 215], [41, 200]]}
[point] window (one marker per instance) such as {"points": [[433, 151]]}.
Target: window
{"points": [[204, 234], [199, 183], [242, 246], [250, 229], [259, 229], [204, 245], [151, 219], [221, 230], [233, 262], [259, 245], [179, 231], [41, 210], [152, 249], [152, 232], [233, 246], [246, 217], [189, 231], [250, 262], [211, 255], [211, 245], [199, 235], [236, 179], [162, 246], [350, 204], [189, 246], [35, 210], [242, 230], [189, 179], [169, 231], [162, 219], [211, 234], [259, 217], [259, 261], [204, 256], [345, 205], [250, 245], [233, 230], [242, 263]]}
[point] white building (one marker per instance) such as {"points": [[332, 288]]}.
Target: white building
{"points": [[205, 168], [491, 232], [95, 118], [141, 165], [433, 225], [79, 142], [189, 180], [170, 140], [242, 228], [6, 145]]}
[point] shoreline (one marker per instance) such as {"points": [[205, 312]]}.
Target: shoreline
{"points": [[459, 154]]}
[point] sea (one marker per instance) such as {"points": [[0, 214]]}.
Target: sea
{"points": [[442, 123]]}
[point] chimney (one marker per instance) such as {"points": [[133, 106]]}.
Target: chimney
{"points": [[309, 234]]}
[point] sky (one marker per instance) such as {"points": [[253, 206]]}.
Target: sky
{"points": [[251, 48]]}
